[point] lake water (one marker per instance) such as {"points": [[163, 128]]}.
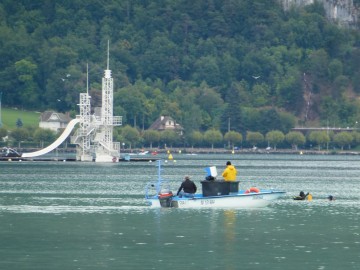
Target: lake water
{"points": [[72, 215]]}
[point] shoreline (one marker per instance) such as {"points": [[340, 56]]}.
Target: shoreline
{"points": [[210, 151]]}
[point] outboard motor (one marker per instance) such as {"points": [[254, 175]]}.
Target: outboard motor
{"points": [[165, 198]]}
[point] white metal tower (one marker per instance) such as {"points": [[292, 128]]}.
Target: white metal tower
{"points": [[83, 134], [94, 137], [105, 149]]}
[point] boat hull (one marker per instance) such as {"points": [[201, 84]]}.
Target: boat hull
{"points": [[238, 200]]}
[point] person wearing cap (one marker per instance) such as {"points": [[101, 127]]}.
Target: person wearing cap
{"points": [[187, 188], [230, 172]]}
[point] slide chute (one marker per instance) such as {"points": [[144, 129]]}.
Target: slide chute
{"points": [[56, 143]]}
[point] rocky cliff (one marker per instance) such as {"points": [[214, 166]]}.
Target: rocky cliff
{"points": [[343, 12]]}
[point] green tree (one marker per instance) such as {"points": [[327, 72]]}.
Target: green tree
{"points": [[29, 94], [169, 137], [3, 133], [151, 136], [207, 69], [44, 135], [19, 123], [132, 100], [356, 137], [233, 138], [318, 63], [130, 135], [343, 138], [261, 94], [295, 138], [161, 59], [212, 137], [275, 137], [319, 138], [254, 138], [335, 69], [195, 138], [287, 90], [269, 120], [329, 109], [232, 118], [211, 105], [19, 135]]}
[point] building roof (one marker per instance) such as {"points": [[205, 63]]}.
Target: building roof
{"points": [[165, 122], [51, 116]]}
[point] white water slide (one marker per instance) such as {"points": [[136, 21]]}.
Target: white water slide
{"points": [[55, 144]]}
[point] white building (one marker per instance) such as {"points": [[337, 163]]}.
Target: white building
{"points": [[54, 120]]}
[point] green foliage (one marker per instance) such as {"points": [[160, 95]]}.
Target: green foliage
{"points": [[19, 123], [151, 136], [275, 137], [169, 137], [233, 138], [130, 135], [213, 137], [200, 62], [195, 138], [3, 132], [319, 138], [19, 134], [254, 138], [343, 138], [44, 136], [295, 138]]}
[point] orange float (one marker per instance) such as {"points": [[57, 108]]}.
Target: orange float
{"points": [[252, 190], [165, 195]]}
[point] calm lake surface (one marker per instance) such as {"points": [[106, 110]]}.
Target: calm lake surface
{"points": [[72, 215]]}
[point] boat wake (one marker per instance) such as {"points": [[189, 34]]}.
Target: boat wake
{"points": [[63, 209]]}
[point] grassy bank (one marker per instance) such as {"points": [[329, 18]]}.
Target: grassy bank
{"points": [[10, 116]]}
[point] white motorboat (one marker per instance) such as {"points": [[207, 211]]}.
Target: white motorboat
{"points": [[215, 194]]}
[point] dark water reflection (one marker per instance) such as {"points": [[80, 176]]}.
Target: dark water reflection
{"points": [[93, 216]]}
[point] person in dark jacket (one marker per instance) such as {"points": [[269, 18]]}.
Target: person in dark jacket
{"points": [[187, 188]]}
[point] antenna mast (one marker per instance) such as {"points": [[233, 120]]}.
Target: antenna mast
{"points": [[87, 78], [0, 110], [108, 55]]}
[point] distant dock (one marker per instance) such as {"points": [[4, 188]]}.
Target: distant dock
{"points": [[20, 159], [57, 159]]}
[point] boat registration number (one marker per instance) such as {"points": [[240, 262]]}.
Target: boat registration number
{"points": [[260, 197], [207, 202], [202, 202]]}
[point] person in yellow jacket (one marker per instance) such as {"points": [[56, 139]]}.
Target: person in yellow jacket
{"points": [[230, 172]]}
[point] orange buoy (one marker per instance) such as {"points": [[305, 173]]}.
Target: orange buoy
{"points": [[252, 190]]}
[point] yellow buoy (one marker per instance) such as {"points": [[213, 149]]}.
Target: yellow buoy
{"points": [[170, 157], [309, 197]]}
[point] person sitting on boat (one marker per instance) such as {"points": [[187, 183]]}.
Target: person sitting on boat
{"points": [[230, 172], [187, 188]]}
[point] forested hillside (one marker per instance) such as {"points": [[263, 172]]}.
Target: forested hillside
{"points": [[246, 65]]}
